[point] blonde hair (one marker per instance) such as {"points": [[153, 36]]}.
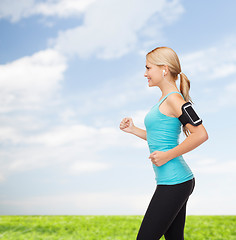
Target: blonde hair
{"points": [[166, 56]]}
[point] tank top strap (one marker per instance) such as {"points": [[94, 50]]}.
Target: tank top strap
{"points": [[168, 95]]}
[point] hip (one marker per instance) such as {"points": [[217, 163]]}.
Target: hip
{"points": [[187, 186], [173, 172]]}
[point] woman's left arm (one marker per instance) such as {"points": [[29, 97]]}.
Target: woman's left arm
{"points": [[197, 136]]}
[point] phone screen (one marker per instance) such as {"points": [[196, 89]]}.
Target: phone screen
{"points": [[192, 113]]}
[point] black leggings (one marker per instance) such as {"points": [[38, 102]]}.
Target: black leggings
{"points": [[166, 212]]}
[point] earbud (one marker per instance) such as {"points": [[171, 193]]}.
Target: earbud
{"points": [[164, 71]]}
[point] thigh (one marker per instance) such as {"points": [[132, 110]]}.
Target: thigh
{"points": [[176, 229], [153, 224], [164, 206]]}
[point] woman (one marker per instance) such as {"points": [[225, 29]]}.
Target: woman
{"points": [[166, 212]]}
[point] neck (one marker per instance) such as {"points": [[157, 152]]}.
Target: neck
{"points": [[166, 87]]}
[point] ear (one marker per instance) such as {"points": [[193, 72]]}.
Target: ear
{"points": [[166, 68]]}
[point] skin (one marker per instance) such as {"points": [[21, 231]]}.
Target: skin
{"points": [[171, 106]]}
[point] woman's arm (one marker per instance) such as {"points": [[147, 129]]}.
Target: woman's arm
{"points": [[128, 126], [198, 135], [139, 132]]}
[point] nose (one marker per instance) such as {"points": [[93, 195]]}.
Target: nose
{"points": [[145, 74]]}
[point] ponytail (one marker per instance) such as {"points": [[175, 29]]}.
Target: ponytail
{"points": [[184, 89]]}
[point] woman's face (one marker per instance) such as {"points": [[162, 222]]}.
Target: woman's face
{"points": [[153, 74]]}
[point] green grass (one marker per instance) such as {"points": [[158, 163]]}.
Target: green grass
{"points": [[107, 227]]}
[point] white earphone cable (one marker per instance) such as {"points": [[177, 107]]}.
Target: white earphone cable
{"points": [[165, 79]]}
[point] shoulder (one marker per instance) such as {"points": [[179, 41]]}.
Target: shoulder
{"points": [[175, 102]]}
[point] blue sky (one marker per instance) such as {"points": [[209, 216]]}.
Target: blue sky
{"points": [[71, 70]]}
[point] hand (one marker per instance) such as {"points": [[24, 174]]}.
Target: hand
{"points": [[127, 125], [159, 158]]}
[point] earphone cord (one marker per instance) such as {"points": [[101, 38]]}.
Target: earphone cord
{"points": [[167, 80]]}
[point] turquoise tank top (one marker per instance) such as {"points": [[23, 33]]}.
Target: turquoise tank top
{"points": [[162, 135]]}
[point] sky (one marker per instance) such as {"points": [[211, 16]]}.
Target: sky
{"points": [[71, 70]]}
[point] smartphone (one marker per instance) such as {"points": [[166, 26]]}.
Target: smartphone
{"points": [[192, 114]]}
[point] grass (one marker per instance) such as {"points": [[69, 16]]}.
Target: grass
{"points": [[107, 227]]}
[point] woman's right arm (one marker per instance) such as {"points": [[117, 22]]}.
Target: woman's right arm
{"points": [[127, 125], [140, 133]]}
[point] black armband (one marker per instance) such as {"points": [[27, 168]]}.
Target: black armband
{"points": [[189, 115]]}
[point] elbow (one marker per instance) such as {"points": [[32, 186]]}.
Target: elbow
{"points": [[201, 135], [204, 137]]}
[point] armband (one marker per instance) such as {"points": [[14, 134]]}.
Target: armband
{"points": [[189, 115]]}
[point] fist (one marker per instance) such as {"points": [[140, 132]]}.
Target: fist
{"points": [[159, 158], [127, 125]]}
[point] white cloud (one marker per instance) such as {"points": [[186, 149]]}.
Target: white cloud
{"points": [[208, 165], [77, 148], [125, 91], [31, 80], [211, 69], [216, 167], [212, 204], [86, 137], [62, 8], [33, 144], [104, 32], [72, 159], [81, 167], [112, 203], [9, 134], [227, 95], [2, 178], [108, 203], [18, 9], [111, 29], [211, 63]]}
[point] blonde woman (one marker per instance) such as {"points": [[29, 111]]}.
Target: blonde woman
{"points": [[175, 181]]}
